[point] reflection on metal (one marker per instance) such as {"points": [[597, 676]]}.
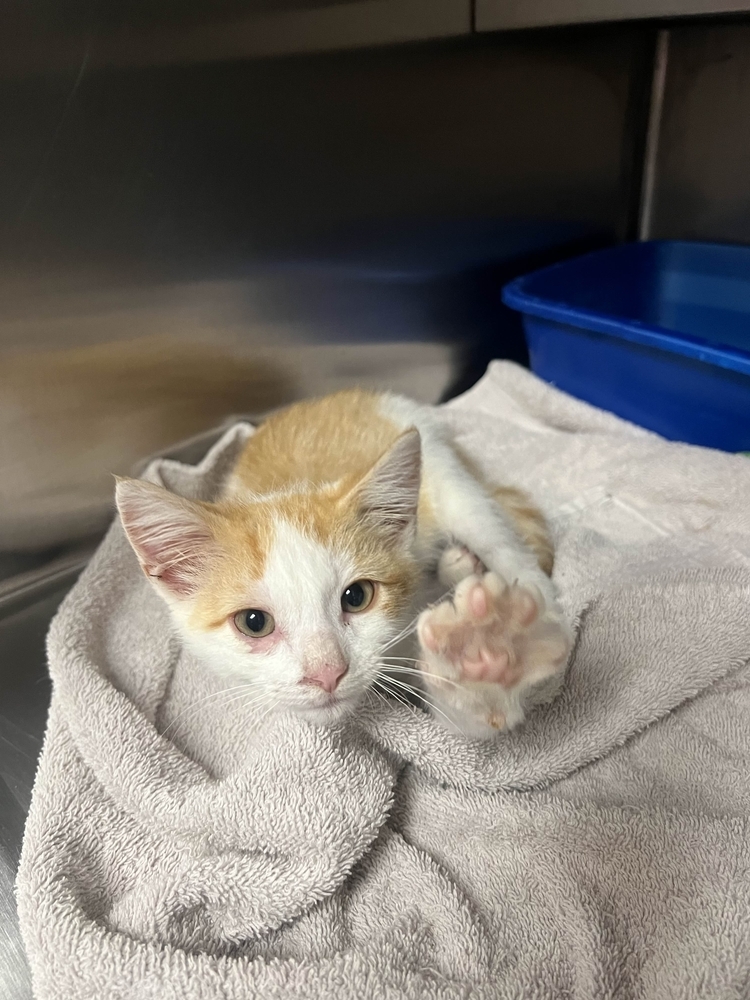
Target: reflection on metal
{"points": [[320, 28], [227, 31], [27, 604], [494, 15], [27, 588], [703, 181], [651, 152], [24, 695]]}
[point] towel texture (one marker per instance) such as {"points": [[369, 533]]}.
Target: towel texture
{"points": [[184, 846]]}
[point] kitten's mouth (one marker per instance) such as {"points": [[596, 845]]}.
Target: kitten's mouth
{"points": [[327, 708]]}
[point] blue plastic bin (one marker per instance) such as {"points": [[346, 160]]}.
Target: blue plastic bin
{"points": [[658, 333]]}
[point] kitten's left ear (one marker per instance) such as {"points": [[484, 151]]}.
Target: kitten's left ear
{"points": [[170, 535], [388, 496]]}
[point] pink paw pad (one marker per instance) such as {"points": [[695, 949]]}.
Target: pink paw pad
{"points": [[494, 633]]}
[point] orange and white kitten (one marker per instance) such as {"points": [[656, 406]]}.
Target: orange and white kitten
{"points": [[300, 578]]}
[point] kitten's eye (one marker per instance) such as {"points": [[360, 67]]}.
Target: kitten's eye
{"points": [[254, 623], [357, 596]]}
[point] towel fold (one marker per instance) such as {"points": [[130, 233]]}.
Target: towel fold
{"points": [[182, 844]]}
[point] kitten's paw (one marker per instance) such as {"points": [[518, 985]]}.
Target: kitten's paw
{"points": [[493, 633], [456, 563]]}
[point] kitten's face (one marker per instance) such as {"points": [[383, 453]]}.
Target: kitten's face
{"points": [[295, 595], [307, 630]]}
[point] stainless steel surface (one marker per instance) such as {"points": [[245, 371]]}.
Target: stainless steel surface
{"points": [[144, 188], [131, 35], [227, 31], [703, 172], [160, 200], [193, 174], [27, 604], [25, 613], [494, 15], [651, 150]]}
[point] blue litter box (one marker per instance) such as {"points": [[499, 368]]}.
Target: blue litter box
{"points": [[658, 333]]}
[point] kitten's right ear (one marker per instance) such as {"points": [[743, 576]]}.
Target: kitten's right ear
{"points": [[388, 496], [170, 535]]}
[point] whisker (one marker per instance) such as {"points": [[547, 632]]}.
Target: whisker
{"points": [[398, 697], [192, 710], [406, 630], [254, 706], [408, 659], [410, 688], [421, 673], [411, 627], [422, 696], [382, 682], [201, 702], [378, 695], [275, 704]]}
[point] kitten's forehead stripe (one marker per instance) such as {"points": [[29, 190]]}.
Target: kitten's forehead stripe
{"points": [[304, 576]]}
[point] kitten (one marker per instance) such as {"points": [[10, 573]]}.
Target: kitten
{"points": [[339, 511]]}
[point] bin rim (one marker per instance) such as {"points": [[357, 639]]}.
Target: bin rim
{"points": [[516, 295]]}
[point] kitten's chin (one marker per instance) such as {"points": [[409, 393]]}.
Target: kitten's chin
{"points": [[328, 713]]}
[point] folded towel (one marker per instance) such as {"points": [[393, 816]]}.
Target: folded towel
{"points": [[182, 846]]}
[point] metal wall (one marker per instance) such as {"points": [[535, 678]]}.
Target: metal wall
{"points": [[134, 200], [204, 162], [156, 200], [703, 165]]}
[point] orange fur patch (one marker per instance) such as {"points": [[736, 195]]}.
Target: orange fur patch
{"points": [[310, 459], [244, 533], [318, 452], [318, 442], [527, 519], [529, 523], [244, 537]]}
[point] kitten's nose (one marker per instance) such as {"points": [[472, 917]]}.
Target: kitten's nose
{"points": [[326, 676]]}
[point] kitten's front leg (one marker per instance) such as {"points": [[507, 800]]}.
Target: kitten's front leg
{"points": [[492, 651]]}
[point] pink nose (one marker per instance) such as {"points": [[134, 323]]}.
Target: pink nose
{"points": [[326, 677]]}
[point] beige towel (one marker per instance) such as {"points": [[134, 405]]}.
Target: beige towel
{"points": [[600, 851]]}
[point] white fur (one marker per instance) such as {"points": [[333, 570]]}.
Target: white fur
{"points": [[465, 511], [468, 515], [303, 583], [301, 586]]}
